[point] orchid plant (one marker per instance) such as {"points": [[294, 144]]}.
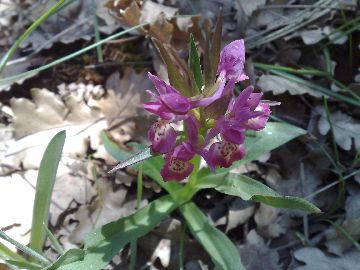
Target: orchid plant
{"points": [[214, 125]]}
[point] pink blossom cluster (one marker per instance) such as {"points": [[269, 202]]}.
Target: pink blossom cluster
{"points": [[221, 143]]}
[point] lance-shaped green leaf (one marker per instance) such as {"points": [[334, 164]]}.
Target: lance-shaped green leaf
{"points": [[44, 187], [194, 63], [175, 77], [102, 244], [221, 250], [141, 156], [249, 189], [272, 136], [150, 167]]}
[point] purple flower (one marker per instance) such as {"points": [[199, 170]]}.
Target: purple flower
{"points": [[223, 154], [162, 136], [175, 168], [177, 165], [232, 60], [244, 112], [169, 104]]}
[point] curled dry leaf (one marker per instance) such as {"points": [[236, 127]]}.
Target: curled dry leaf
{"points": [[162, 24], [239, 213], [271, 222]]}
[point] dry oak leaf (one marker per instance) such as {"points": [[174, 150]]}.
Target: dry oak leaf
{"points": [[48, 111], [279, 85], [346, 129], [314, 258]]}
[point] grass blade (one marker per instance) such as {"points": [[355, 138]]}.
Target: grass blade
{"points": [[30, 73], [28, 31], [55, 243], [24, 249], [44, 186]]}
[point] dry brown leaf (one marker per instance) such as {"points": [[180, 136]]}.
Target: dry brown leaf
{"points": [[112, 204], [256, 255]]}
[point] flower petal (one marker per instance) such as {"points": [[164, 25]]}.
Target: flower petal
{"points": [[161, 86], [162, 136], [223, 154], [175, 169], [232, 60], [257, 123], [193, 126], [176, 103]]}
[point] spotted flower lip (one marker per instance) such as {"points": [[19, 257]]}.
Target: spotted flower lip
{"points": [[162, 136], [232, 61], [223, 154]]}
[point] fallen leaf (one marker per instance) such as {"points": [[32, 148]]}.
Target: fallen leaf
{"points": [[336, 242], [314, 258], [239, 213], [279, 85], [256, 255], [112, 204], [270, 221], [346, 129]]}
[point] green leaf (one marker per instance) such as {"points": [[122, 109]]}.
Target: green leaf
{"points": [[249, 189], [44, 187], [222, 251], [103, 243], [71, 256], [272, 136], [24, 265], [175, 78], [113, 149], [194, 63]]}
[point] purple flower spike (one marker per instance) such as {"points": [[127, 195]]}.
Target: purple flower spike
{"points": [[162, 136], [223, 154], [232, 60]]}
